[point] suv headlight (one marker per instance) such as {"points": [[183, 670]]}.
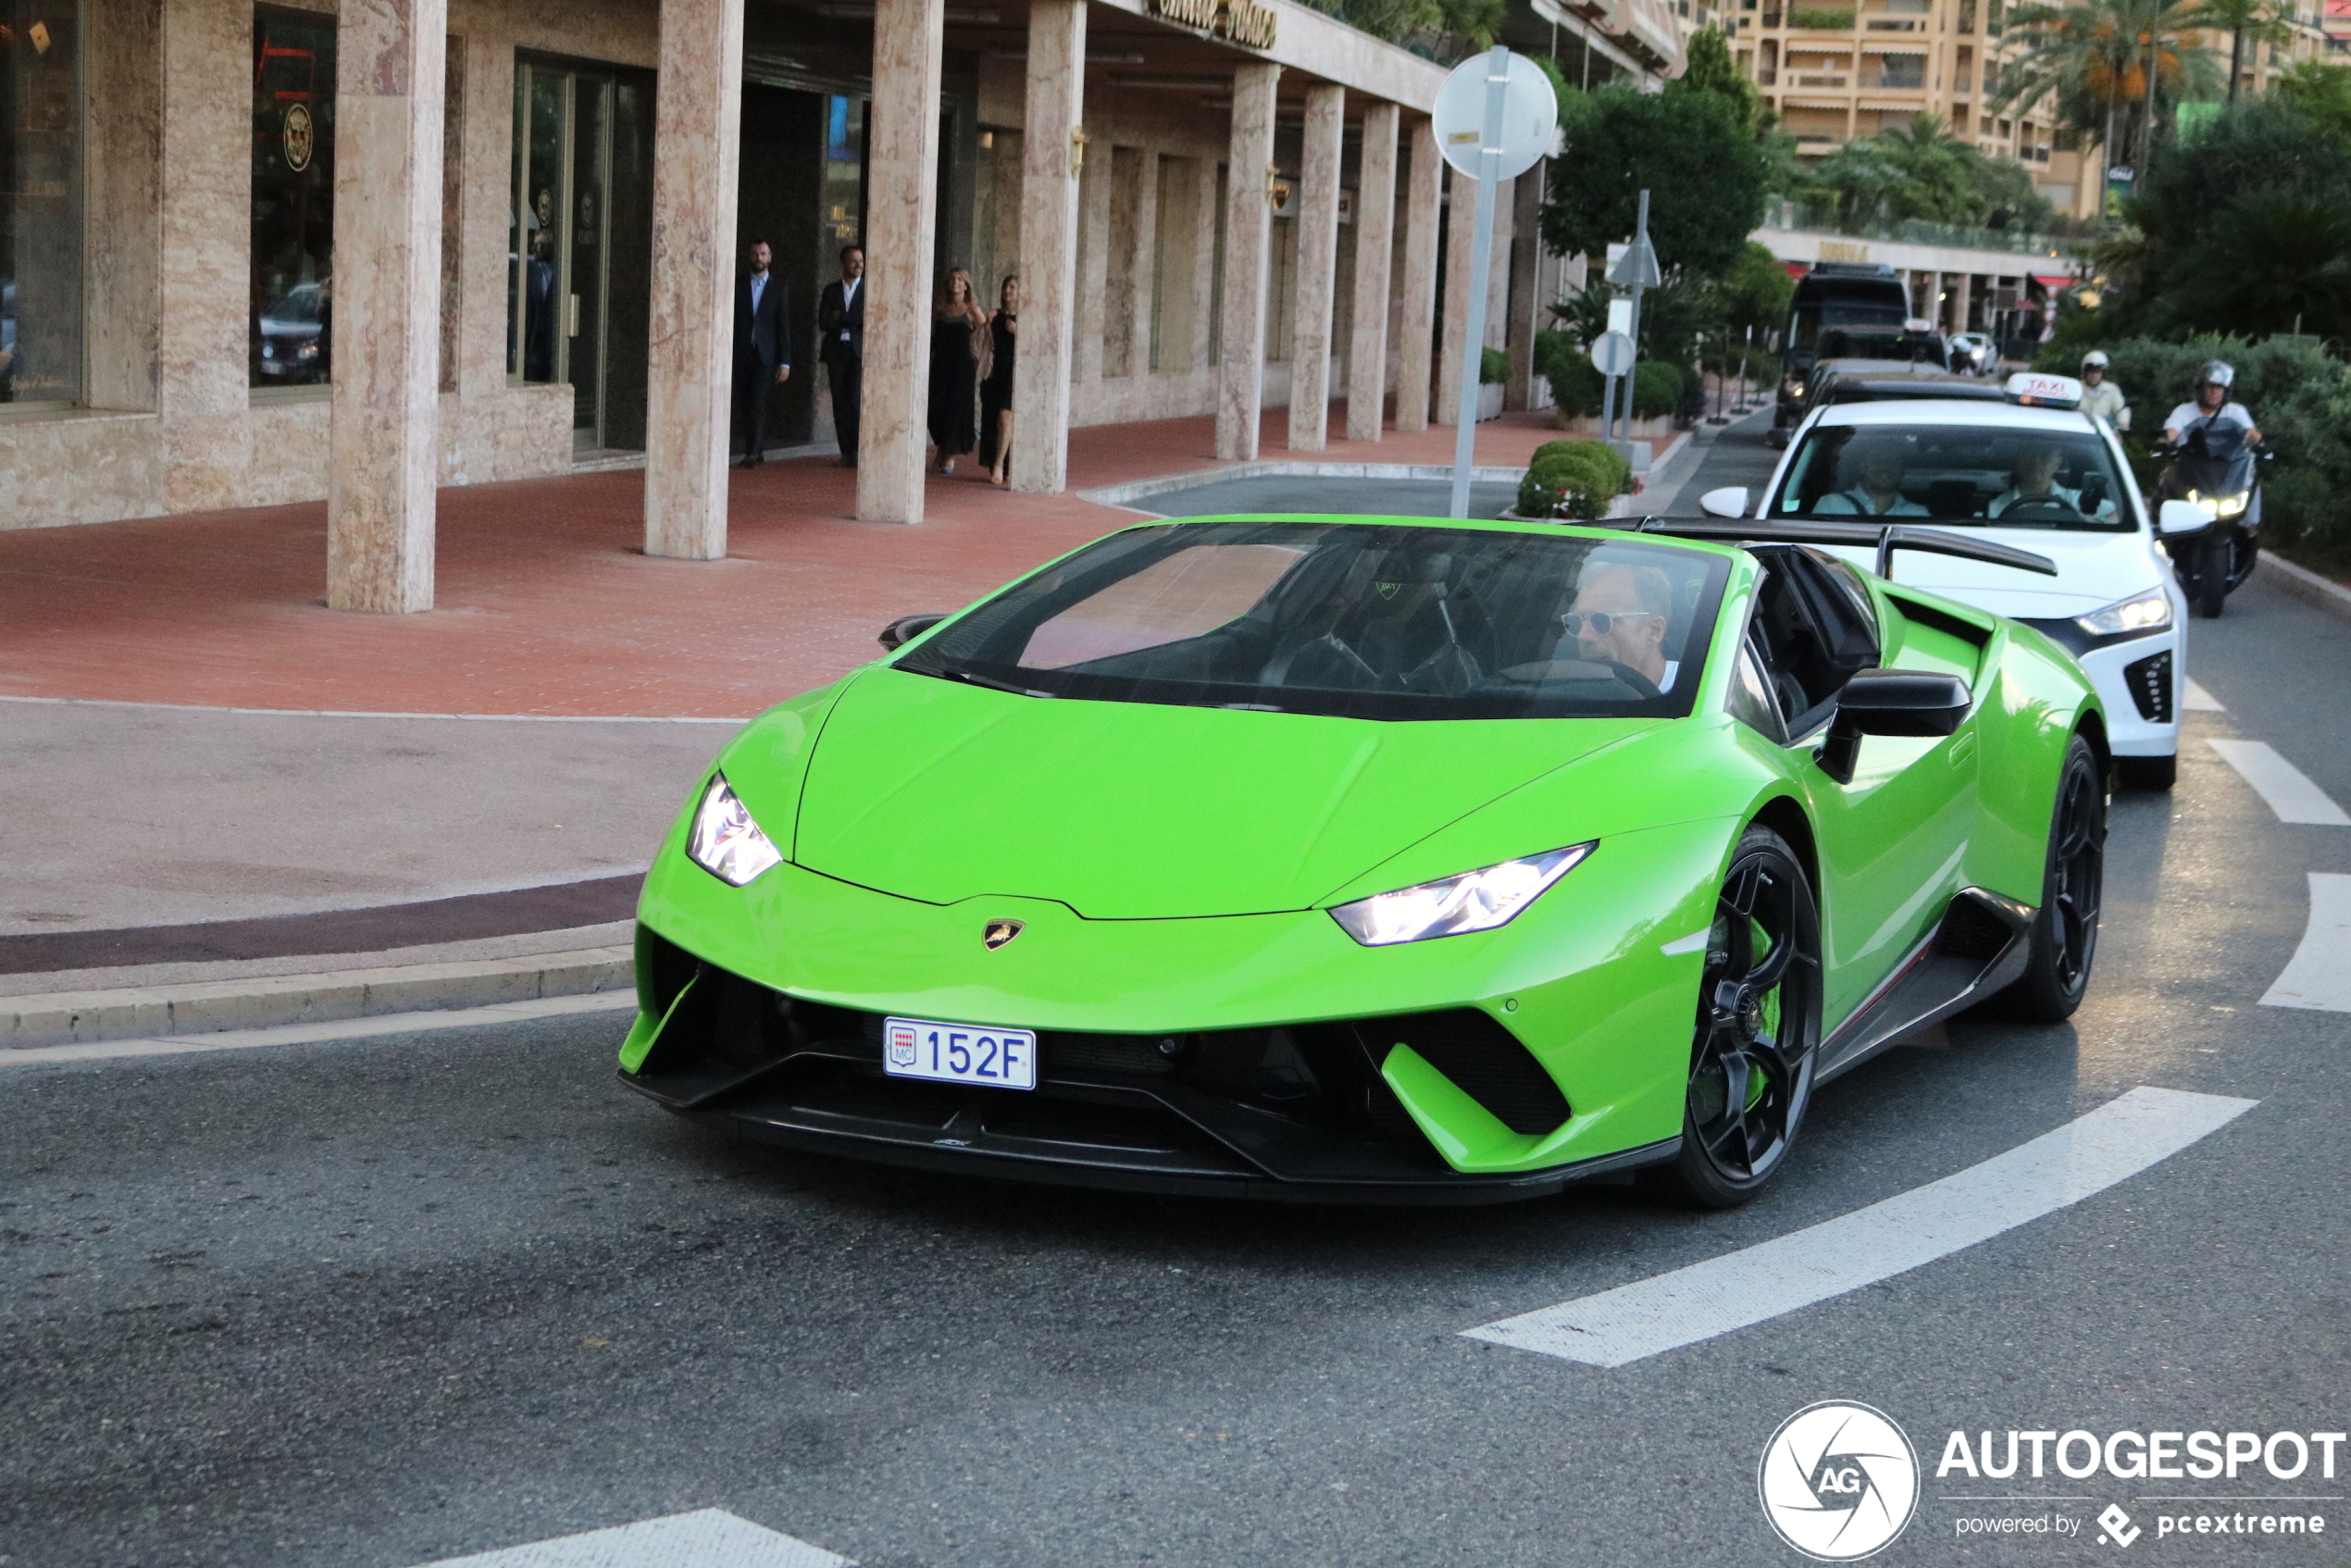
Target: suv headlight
{"points": [[725, 842], [2150, 611], [1474, 901]]}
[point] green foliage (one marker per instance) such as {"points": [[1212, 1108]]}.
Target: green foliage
{"points": [[1658, 389], [1756, 292], [1493, 367], [1445, 30], [2321, 91], [1576, 383], [2084, 63], [1709, 68], [1922, 171], [1700, 163], [1572, 479], [1805, 16]]}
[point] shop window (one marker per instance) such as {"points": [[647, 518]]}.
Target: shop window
{"points": [[40, 202], [291, 337]]}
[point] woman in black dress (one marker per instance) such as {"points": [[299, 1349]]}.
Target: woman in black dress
{"points": [[996, 391], [954, 367]]}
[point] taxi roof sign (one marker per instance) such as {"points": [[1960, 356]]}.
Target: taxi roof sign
{"points": [[2034, 390]]}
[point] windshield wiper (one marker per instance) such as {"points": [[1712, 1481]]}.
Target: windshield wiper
{"points": [[990, 682]]}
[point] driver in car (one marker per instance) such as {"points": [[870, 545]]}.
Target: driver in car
{"points": [[1877, 465], [1621, 615], [2032, 483]]}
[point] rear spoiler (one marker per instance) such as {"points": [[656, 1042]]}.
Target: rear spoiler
{"points": [[1884, 538]]}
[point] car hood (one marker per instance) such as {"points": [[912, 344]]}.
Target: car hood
{"points": [[2094, 569], [937, 790]]}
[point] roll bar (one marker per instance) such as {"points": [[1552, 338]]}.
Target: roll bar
{"points": [[1884, 538]]}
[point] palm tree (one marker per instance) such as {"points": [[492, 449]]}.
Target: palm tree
{"points": [[2249, 21], [2088, 62]]}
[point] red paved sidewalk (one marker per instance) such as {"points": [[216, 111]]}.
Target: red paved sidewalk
{"points": [[546, 604]]}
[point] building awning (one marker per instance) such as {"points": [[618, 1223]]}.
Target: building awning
{"points": [[1839, 104], [2048, 280], [1889, 106], [1871, 46]]}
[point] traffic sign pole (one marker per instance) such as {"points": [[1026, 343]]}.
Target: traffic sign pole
{"points": [[1498, 77]]}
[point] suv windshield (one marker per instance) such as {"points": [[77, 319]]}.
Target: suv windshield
{"points": [[1955, 474], [1361, 621]]}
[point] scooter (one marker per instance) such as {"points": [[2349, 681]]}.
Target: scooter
{"points": [[2213, 470]]}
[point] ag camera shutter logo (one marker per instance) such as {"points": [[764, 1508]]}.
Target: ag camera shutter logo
{"points": [[1838, 1481]]}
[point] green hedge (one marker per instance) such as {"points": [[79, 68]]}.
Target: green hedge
{"points": [[1808, 17], [1493, 367], [1572, 479], [2300, 396], [1658, 389], [1576, 383]]}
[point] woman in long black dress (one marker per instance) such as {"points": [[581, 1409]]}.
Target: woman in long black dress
{"points": [[996, 391], [954, 368]]}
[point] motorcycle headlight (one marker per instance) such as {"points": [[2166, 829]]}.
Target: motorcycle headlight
{"points": [[2150, 611], [2230, 505], [1474, 901], [725, 842]]}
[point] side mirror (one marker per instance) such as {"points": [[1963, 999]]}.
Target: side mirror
{"points": [[905, 629], [1890, 701], [2182, 517], [1728, 502]]}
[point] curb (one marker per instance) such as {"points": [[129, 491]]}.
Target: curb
{"points": [[2301, 582], [154, 1011]]}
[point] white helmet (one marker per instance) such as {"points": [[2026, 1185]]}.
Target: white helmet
{"points": [[2093, 360], [2216, 373]]}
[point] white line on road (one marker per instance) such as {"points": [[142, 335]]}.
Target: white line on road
{"points": [[2199, 700], [2113, 1143], [2285, 786], [2319, 976], [710, 1537], [336, 1028]]}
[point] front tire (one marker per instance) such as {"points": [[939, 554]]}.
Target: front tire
{"points": [[2065, 930], [1759, 1030], [2212, 576]]}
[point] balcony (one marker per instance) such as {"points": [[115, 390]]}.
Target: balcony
{"points": [[1822, 21], [1811, 81]]}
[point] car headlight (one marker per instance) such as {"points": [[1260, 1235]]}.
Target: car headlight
{"points": [[724, 840], [1474, 901], [2230, 505], [2150, 611]]}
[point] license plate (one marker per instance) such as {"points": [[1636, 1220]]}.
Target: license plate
{"points": [[959, 1053]]}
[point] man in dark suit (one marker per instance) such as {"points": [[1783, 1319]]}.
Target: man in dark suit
{"points": [[841, 324], [763, 349]]}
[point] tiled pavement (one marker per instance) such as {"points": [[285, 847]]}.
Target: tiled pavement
{"points": [[546, 605]]}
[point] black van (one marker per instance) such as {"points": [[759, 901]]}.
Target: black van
{"points": [[1847, 310]]}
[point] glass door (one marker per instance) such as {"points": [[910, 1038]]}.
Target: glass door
{"points": [[582, 230]]}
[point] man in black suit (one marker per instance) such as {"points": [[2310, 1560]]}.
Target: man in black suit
{"points": [[841, 324], [763, 349]]}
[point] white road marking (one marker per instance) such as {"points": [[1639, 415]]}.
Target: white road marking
{"points": [[2113, 1143], [2199, 700], [2285, 786], [2319, 976], [337, 1029], [710, 1537]]}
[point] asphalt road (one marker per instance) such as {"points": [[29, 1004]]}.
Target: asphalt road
{"points": [[376, 1304]]}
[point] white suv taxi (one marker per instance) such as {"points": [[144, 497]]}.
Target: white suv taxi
{"points": [[2034, 472]]}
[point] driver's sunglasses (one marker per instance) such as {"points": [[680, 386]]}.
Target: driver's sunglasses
{"points": [[1603, 622]]}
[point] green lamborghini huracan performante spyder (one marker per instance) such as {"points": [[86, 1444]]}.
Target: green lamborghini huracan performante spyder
{"points": [[1377, 860]]}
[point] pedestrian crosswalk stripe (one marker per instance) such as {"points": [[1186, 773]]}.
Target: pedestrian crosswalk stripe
{"points": [[2318, 974], [2199, 700], [710, 1537], [2087, 1156], [2287, 789]]}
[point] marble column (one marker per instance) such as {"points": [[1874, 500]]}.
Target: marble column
{"points": [[688, 393], [1050, 148], [1528, 298], [1318, 175], [1461, 222], [1248, 249], [1963, 301], [902, 217], [1375, 244], [1127, 299], [390, 78], [205, 240], [1416, 290]]}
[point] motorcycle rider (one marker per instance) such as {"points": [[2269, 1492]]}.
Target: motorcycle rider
{"points": [[2212, 406], [2099, 396]]}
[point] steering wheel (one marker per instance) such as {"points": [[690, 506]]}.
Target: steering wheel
{"points": [[2047, 505]]}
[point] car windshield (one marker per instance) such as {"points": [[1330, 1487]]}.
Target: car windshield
{"points": [[1361, 621], [1955, 474]]}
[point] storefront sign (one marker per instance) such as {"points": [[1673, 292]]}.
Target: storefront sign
{"points": [[297, 140], [1243, 21]]}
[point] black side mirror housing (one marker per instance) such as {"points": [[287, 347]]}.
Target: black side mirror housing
{"points": [[905, 629], [1891, 702]]}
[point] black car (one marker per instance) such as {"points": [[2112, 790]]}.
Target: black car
{"points": [[1881, 380]]}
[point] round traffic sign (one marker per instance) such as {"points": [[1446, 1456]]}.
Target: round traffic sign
{"points": [[1612, 354], [1530, 116]]}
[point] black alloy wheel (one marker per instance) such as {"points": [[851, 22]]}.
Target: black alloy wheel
{"points": [[1758, 1029], [2065, 930]]}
